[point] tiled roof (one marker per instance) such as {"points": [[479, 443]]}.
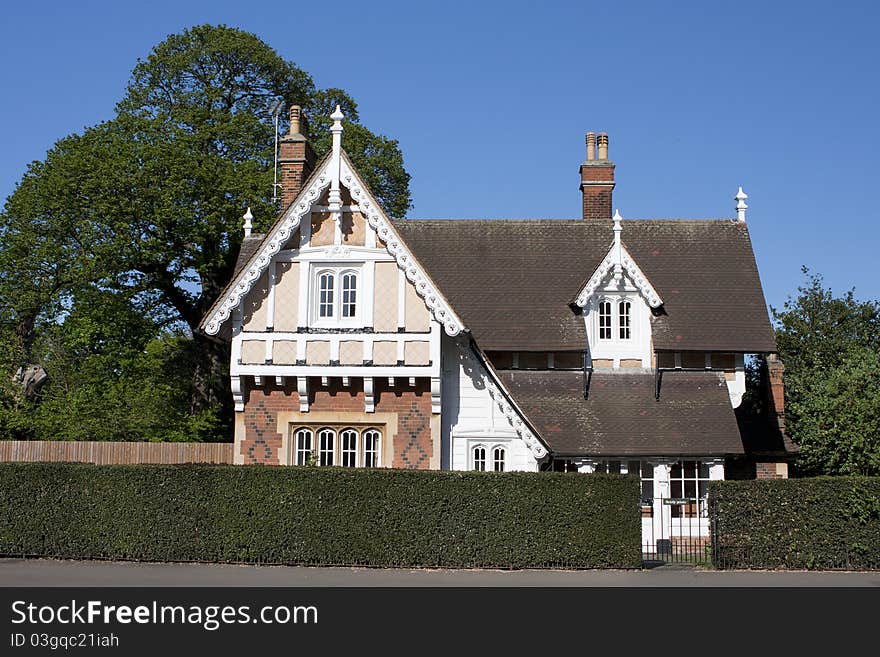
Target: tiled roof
{"points": [[249, 246], [512, 281], [621, 416]]}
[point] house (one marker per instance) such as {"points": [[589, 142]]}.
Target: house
{"points": [[597, 344]]}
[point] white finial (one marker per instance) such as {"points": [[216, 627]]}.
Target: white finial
{"points": [[336, 130], [334, 198], [741, 206], [248, 226], [618, 249]]}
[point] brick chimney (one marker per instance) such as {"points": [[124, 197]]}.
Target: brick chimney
{"points": [[776, 390], [597, 179], [295, 157]]}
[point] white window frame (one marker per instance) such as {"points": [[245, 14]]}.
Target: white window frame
{"points": [[621, 326], [303, 456], [339, 455], [338, 274], [615, 325], [376, 451], [346, 453], [320, 446], [484, 458], [599, 316], [495, 450]]}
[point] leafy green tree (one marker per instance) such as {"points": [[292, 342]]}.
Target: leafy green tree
{"points": [[830, 348], [147, 207]]}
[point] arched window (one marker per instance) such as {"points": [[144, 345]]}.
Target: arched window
{"points": [[303, 438], [371, 448], [498, 459], [604, 320], [326, 445], [325, 294], [349, 294], [623, 309], [349, 440], [480, 458]]}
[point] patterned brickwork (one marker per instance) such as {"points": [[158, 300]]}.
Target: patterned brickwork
{"points": [[412, 444], [411, 449]]}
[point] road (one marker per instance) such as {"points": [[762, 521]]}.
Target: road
{"points": [[47, 572]]}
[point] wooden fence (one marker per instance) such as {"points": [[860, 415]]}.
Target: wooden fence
{"points": [[114, 453]]}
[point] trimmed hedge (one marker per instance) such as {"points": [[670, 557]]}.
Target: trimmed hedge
{"points": [[322, 516], [816, 523]]}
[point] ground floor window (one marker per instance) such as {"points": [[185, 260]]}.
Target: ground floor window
{"points": [[484, 458], [689, 481], [564, 465], [348, 446], [498, 459]]}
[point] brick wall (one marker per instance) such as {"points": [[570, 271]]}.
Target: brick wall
{"points": [[771, 471], [413, 444]]}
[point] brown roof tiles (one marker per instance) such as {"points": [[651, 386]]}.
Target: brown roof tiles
{"points": [[621, 416], [512, 281]]}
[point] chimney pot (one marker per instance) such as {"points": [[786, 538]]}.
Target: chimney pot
{"points": [[597, 179], [295, 120], [295, 157], [591, 146], [603, 146]]}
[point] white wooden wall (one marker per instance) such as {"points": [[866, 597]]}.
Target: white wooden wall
{"points": [[470, 416]]}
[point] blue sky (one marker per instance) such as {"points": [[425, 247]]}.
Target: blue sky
{"points": [[490, 102]]}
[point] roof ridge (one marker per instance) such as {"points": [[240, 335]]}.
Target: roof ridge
{"points": [[535, 220]]}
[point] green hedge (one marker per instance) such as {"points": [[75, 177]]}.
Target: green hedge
{"points": [[310, 515], [822, 522]]}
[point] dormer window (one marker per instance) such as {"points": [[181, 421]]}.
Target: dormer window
{"points": [[613, 320], [624, 323], [604, 320], [336, 295]]}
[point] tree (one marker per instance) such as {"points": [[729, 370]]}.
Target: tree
{"points": [[830, 347], [148, 205]]}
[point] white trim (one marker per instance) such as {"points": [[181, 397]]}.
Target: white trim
{"points": [[401, 299], [270, 301], [237, 394], [302, 388], [505, 404], [636, 275], [274, 240], [376, 218], [279, 235], [369, 395], [336, 371], [367, 292]]}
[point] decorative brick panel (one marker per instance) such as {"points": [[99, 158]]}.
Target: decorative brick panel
{"points": [[412, 444]]}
